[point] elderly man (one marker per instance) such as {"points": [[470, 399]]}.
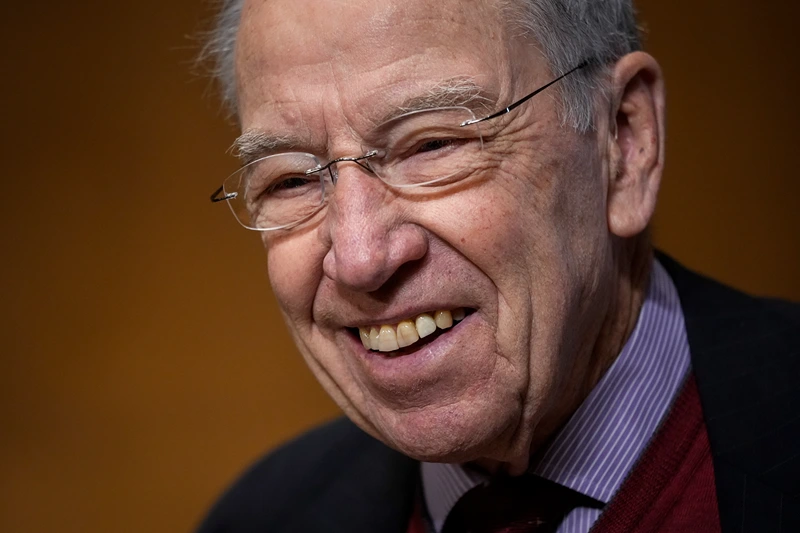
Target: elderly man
{"points": [[454, 197]]}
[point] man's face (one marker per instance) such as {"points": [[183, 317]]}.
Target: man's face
{"points": [[521, 243]]}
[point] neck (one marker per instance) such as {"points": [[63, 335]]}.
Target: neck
{"points": [[633, 262]]}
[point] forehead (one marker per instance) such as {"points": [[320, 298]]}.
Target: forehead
{"points": [[356, 59]]}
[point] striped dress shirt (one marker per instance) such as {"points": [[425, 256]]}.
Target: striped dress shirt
{"points": [[597, 448]]}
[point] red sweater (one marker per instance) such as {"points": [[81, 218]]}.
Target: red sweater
{"points": [[671, 488]]}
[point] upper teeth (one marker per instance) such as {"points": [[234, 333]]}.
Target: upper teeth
{"points": [[388, 338]]}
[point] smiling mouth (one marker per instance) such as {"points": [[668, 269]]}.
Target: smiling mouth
{"points": [[411, 332]]}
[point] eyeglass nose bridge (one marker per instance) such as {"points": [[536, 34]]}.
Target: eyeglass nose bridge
{"points": [[331, 168]]}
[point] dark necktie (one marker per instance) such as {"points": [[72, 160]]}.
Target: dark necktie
{"points": [[525, 504]]}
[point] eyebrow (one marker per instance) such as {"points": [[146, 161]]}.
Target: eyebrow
{"points": [[254, 144], [459, 91]]}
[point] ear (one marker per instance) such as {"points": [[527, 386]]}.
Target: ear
{"points": [[636, 143]]}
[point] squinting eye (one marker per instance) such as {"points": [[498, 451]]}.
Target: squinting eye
{"points": [[436, 144], [289, 183]]}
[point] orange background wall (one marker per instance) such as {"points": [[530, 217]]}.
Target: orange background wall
{"points": [[143, 362]]}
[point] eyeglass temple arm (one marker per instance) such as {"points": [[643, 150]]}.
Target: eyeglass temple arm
{"points": [[218, 196], [526, 98]]}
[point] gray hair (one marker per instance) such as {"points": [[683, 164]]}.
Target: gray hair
{"points": [[567, 32]]}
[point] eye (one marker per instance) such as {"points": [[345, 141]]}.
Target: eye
{"points": [[440, 146], [435, 144], [289, 183]]}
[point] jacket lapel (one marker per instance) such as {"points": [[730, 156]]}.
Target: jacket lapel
{"points": [[746, 360], [375, 492]]}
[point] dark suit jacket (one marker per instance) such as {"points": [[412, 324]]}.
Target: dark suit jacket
{"points": [[746, 360]]}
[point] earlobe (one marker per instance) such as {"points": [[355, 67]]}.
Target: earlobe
{"points": [[636, 143]]}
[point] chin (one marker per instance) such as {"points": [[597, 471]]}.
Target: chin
{"points": [[455, 433]]}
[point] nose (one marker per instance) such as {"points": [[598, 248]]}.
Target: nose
{"points": [[368, 232]]}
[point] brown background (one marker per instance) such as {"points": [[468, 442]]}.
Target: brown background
{"points": [[143, 363]]}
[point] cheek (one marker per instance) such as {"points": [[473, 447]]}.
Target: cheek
{"points": [[500, 225], [295, 266]]}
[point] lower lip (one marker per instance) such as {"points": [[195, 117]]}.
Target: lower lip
{"points": [[414, 368]]}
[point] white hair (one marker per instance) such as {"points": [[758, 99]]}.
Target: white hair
{"points": [[567, 33]]}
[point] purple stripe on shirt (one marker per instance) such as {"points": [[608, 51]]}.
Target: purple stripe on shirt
{"points": [[599, 445]]}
